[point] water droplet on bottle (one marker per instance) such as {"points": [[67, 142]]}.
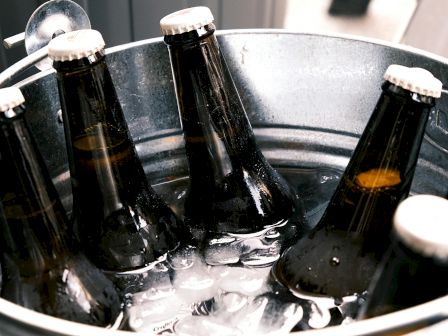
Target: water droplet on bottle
{"points": [[335, 261], [59, 114], [309, 269]]}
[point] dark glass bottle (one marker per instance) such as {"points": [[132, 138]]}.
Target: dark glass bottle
{"points": [[121, 222], [415, 268], [41, 269], [233, 189], [341, 253]]}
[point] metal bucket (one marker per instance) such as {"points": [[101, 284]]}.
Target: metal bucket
{"points": [[308, 97]]}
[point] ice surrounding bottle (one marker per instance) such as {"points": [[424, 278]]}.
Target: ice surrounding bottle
{"points": [[233, 189], [42, 270], [122, 224], [415, 268], [339, 256]]}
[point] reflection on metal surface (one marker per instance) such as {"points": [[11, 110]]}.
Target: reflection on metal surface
{"points": [[437, 130]]}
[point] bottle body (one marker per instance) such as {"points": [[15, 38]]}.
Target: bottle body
{"points": [[41, 268], [406, 279], [353, 233], [121, 222], [74, 289], [233, 189], [415, 268]]}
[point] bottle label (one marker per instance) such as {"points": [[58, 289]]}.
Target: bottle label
{"points": [[378, 178]]}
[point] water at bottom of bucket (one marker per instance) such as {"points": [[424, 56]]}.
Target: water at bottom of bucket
{"points": [[189, 295]]}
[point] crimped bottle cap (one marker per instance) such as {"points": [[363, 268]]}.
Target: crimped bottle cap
{"points": [[10, 97], [417, 80], [421, 222], [186, 20], [75, 45]]}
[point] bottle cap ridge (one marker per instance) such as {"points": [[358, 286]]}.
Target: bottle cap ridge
{"points": [[421, 222], [186, 20], [10, 97], [75, 45], [417, 80]]}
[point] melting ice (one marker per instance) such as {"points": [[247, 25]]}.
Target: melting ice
{"points": [[226, 289]]}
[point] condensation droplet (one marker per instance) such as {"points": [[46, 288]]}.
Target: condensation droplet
{"points": [[335, 261], [59, 114]]}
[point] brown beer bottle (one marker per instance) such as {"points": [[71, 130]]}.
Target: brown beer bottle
{"points": [[41, 269], [122, 224], [341, 253], [415, 268], [233, 189]]}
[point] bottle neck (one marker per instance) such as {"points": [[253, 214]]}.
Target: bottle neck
{"points": [[96, 131], [216, 128], [392, 137], [380, 171], [34, 234], [88, 96]]}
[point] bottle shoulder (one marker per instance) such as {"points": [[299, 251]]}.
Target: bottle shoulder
{"points": [[323, 264]]}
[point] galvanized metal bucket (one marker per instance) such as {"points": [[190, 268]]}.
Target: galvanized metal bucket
{"points": [[308, 98]]}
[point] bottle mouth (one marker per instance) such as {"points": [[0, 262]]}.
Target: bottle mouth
{"points": [[75, 45], [10, 97], [190, 36], [76, 64], [416, 80], [186, 20]]}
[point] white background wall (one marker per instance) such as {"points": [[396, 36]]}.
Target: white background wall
{"points": [[419, 23]]}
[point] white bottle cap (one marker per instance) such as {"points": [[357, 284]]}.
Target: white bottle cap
{"points": [[186, 20], [75, 45], [421, 222], [10, 97], [417, 80]]}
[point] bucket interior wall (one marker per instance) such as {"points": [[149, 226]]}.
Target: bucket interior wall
{"points": [[307, 96]]}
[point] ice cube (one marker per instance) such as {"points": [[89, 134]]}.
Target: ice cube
{"points": [[246, 281], [156, 316], [205, 326], [222, 250]]}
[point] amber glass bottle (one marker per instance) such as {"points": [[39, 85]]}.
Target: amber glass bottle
{"points": [[415, 268], [340, 255], [40, 268], [122, 224], [233, 189]]}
